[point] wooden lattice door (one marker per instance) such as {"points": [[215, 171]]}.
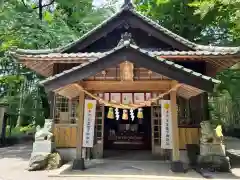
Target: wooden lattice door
{"points": [[156, 129], [156, 133]]}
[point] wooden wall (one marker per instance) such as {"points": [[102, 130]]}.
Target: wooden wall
{"points": [[188, 136], [65, 136]]}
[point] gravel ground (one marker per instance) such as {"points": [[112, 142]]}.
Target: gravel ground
{"points": [[14, 162]]}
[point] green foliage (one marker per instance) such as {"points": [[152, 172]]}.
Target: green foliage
{"points": [[223, 13], [21, 26], [28, 129], [230, 82], [214, 22], [212, 25], [225, 102], [206, 21], [18, 131]]}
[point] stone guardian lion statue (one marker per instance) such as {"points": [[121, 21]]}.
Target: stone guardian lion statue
{"points": [[44, 133]]}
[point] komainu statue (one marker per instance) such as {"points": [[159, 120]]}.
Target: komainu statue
{"points": [[209, 134], [44, 133], [212, 148]]}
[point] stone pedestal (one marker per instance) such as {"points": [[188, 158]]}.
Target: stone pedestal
{"points": [[212, 149], [42, 147], [213, 156]]}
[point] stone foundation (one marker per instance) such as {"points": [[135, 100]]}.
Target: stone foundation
{"points": [[212, 149], [213, 156]]}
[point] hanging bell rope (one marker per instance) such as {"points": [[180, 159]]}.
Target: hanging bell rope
{"points": [[131, 106]]}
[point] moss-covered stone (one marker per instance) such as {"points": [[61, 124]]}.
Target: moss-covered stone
{"points": [[38, 162], [54, 161]]}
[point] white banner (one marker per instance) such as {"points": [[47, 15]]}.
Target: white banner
{"points": [[89, 122], [166, 131]]}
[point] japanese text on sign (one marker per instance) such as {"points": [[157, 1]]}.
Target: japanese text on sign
{"points": [[166, 131], [89, 122]]}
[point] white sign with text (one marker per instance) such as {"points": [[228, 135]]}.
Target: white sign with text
{"points": [[89, 122], [166, 131]]}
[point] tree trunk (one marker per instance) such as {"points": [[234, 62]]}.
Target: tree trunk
{"points": [[19, 121], [40, 10]]}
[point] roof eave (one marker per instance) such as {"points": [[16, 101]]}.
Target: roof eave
{"points": [[144, 59]]}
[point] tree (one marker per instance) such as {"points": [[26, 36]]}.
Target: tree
{"points": [[223, 13], [37, 25], [181, 17]]}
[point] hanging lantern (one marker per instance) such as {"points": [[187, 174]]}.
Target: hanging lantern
{"points": [[125, 115], [110, 113], [140, 113]]}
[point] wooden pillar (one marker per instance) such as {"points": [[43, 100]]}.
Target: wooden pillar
{"points": [[70, 110], [177, 166], [175, 151], [78, 163]]}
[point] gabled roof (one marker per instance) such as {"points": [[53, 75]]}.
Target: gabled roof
{"points": [[43, 63], [79, 56], [138, 20], [132, 53]]}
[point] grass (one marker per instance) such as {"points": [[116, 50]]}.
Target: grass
{"points": [[18, 131]]}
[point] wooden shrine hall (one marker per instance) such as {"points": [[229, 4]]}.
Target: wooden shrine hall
{"points": [[130, 66]]}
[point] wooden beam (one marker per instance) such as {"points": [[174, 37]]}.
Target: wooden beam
{"points": [[78, 163], [175, 130], [116, 86]]}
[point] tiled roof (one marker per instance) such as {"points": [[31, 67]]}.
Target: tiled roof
{"points": [[127, 44], [100, 54], [191, 45]]}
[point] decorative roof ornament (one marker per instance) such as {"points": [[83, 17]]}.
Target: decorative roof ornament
{"points": [[126, 37], [127, 4]]}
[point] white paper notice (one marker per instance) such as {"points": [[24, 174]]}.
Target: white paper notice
{"points": [[89, 122], [166, 131]]}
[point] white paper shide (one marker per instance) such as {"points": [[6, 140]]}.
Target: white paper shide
{"points": [[166, 131], [89, 122]]}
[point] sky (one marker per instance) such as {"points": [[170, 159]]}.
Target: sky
{"points": [[99, 2], [102, 2]]}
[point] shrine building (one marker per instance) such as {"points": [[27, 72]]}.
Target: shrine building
{"points": [[129, 85]]}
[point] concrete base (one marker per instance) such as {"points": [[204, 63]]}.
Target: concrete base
{"points": [[42, 147], [67, 154], [184, 157], [78, 164]]}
